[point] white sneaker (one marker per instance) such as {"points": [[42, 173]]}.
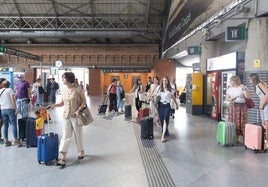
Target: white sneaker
{"points": [[19, 116]]}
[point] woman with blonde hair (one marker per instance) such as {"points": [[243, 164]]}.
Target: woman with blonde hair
{"points": [[154, 88], [238, 110], [261, 90]]}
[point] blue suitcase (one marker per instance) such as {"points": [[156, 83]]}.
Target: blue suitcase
{"points": [[30, 132], [47, 148]]}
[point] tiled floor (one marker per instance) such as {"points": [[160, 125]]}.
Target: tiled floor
{"points": [[115, 156]]}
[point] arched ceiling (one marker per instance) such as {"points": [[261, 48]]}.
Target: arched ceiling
{"points": [[52, 22]]}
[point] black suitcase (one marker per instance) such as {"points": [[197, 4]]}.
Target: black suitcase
{"points": [[128, 112], [31, 140], [22, 128], [147, 128], [103, 107]]}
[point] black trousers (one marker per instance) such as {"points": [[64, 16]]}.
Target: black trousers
{"points": [[113, 102], [137, 104]]}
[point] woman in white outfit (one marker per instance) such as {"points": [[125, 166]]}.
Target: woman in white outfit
{"points": [[151, 94]]}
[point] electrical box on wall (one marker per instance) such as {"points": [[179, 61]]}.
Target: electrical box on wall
{"points": [[194, 93]]}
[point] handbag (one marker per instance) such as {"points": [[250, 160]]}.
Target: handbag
{"points": [[85, 117], [157, 99], [250, 103]]}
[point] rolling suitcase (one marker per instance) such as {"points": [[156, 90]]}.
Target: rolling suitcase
{"points": [[47, 147], [31, 132], [226, 133], [147, 128], [255, 136], [39, 126], [143, 112], [103, 107], [22, 128], [128, 112]]}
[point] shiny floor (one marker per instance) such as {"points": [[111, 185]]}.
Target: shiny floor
{"points": [[116, 156]]}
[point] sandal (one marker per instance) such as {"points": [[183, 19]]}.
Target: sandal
{"points": [[81, 156], [61, 163]]}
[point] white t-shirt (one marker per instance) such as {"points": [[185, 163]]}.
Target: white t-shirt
{"points": [[166, 96], [236, 92], [5, 98]]}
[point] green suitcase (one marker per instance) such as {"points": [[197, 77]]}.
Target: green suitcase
{"points": [[226, 133]]}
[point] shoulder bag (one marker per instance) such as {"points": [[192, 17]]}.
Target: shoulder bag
{"points": [[85, 117], [250, 103]]}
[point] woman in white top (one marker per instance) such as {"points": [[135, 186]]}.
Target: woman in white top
{"points": [[38, 90], [238, 110], [154, 88], [137, 88], [9, 113], [261, 90], [166, 95]]}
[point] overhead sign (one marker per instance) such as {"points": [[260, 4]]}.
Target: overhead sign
{"points": [[235, 33], [193, 50], [126, 71], [182, 24], [10, 51]]}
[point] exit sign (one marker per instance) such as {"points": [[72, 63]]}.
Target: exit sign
{"points": [[235, 33], [193, 50], [2, 49]]}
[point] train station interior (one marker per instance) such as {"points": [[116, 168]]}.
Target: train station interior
{"points": [[201, 44]]}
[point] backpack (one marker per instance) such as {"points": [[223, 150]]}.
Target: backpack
{"points": [[41, 90], [122, 94]]}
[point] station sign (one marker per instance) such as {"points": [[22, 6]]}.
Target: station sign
{"points": [[126, 70], [193, 50], [235, 33], [15, 52]]}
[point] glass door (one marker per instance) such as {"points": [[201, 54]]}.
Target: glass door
{"points": [[225, 84]]}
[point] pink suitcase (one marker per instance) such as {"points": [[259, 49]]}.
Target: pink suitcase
{"points": [[255, 136]]}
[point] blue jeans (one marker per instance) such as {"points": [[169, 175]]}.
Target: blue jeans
{"points": [[39, 99], [53, 96], [9, 116], [22, 106], [120, 104]]}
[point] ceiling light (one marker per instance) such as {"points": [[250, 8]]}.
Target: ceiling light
{"points": [[181, 54]]}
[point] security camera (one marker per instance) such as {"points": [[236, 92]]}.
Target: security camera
{"points": [[205, 31], [217, 21]]}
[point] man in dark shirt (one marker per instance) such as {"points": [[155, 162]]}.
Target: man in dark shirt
{"points": [[22, 96], [53, 90]]}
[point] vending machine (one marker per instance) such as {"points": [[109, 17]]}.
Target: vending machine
{"points": [[212, 99], [219, 71]]}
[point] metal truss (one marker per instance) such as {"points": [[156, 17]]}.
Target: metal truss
{"points": [[78, 24]]}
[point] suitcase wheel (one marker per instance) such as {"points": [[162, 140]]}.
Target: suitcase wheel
{"points": [[245, 147], [46, 163], [39, 161], [255, 150]]}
